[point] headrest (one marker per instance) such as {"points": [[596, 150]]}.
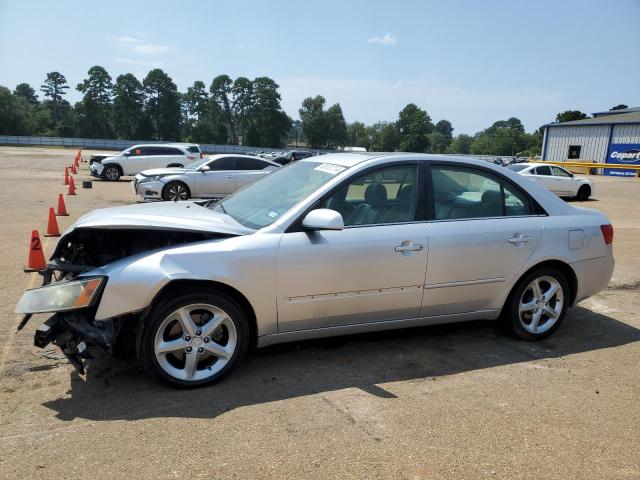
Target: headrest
{"points": [[406, 194], [376, 195]]}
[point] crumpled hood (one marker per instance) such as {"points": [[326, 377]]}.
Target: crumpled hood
{"points": [[164, 171], [185, 216]]}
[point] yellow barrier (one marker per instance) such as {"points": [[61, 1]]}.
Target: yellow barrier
{"points": [[589, 166]]}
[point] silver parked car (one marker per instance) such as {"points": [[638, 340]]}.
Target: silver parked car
{"points": [[212, 177], [332, 245]]}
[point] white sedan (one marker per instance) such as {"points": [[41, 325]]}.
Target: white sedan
{"points": [[558, 180], [212, 177]]}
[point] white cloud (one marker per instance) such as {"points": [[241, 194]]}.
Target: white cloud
{"points": [[241, 46], [138, 62], [139, 46], [388, 39]]}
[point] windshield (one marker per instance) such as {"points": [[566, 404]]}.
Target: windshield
{"points": [[517, 168], [263, 202]]}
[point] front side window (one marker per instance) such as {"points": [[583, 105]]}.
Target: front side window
{"points": [[559, 172], [224, 163], [388, 195], [464, 193]]}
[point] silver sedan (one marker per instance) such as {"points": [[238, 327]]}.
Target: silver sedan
{"points": [[331, 245], [212, 177]]}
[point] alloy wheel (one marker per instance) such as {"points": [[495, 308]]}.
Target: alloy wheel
{"points": [[195, 342], [112, 174], [541, 305], [177, 192]]}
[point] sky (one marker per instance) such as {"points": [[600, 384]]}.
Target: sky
{"points": [[470, 62]]}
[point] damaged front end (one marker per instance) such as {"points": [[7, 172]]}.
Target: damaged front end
{"points": [[73, 284]]}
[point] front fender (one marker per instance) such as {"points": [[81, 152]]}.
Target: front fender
{"points": [[245, 263]]}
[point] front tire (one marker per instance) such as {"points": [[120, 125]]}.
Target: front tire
{"points": [[111, 174], [176, 191], [584, 192], [194, 339], [537, 304]]}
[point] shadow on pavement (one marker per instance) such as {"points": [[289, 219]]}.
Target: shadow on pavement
{"points": [[363, 361]]}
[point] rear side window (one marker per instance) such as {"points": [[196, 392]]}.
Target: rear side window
{"points": [[464, 193], [193, 149], [153, 151], [224, 163], [250, 164], [543, 170], [173, 151]]}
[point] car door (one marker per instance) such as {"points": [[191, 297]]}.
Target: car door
{"points": [[219, 181], [482, 231], [565, 181], [157, 157], [248, 170], [371, 271], [136, 161], [543, 176]]}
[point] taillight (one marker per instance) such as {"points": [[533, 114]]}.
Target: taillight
{"points": [[607, 233], [201, 156]]}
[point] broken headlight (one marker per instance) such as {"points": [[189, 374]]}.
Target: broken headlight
{"points": [[60, 297]]}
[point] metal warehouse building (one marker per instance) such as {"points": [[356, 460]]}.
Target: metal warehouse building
{"points": [[608, 137]]}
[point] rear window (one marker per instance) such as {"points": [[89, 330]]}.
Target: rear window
{"points": [[250, 164]]}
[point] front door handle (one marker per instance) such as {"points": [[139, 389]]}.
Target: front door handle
{"points": [[519, 238], [408, 246]]}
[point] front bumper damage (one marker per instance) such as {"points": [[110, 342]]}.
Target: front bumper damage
{"points": [[79, 338]]}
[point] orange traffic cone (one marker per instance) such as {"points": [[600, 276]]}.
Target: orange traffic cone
{"points": [[62, 209], [52, 225], [66, 176], [74, 169], [36, 260], [72, 187]]}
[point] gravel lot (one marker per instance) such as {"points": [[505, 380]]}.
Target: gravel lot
{"points": [[456, 401]]}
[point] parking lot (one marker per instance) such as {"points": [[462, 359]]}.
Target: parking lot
{"points": [[452, 401]]}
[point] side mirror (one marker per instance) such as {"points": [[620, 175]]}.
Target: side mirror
{"points": [[323, 219], [204, 168], [127, 154]]}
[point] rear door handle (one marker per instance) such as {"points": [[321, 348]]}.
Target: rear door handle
{"points": [[519, 238], [408, 247]]}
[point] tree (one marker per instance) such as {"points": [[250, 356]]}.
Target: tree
{"points": [[621, 106], [162, 105], [438, 143], [336, 126], [270, 124], [129, 119], [383, 137], [17, 115], [314, 121], [357, 135], [445, 128], [25, 91], [461, 144], [414, 124], [570, 116], [241, 107], [504, 137], [94, 111], [54, 88], [220, 91]]}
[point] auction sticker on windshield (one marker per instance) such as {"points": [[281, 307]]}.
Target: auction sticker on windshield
{"points": [[329, 168]]}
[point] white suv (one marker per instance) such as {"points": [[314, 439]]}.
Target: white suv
{"points": [[143, 157]]}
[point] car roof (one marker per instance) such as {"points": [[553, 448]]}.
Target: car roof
{"points": [[350, 159], [536, 164], [241, 155], [157, 145]]}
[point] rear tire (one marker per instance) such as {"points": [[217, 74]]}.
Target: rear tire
{"points": [[584, 192], [176, 191], [111, 174], [537, 304], [194, 339]]}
